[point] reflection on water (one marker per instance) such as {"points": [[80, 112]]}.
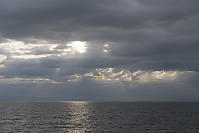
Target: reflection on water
{"points": [[116, 117], [79, 120]]}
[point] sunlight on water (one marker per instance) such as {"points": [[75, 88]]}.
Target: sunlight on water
{"points": [[79, 117]]}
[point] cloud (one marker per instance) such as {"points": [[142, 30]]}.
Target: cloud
{"points": [[101, 44]]}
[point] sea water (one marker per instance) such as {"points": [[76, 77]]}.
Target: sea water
{"points": [[116, 117]]}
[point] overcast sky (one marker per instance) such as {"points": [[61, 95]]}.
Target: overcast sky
{"points": [[137, 50]]}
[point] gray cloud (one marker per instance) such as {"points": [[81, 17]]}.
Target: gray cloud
{"points": [[143, 35]]}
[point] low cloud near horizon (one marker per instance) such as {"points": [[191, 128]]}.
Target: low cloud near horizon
{"points": [[135, 50]]}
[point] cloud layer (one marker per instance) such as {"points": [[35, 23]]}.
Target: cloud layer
{"points": [[99, 50]]}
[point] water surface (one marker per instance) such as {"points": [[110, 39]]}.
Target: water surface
{"points": [[80, 117]]}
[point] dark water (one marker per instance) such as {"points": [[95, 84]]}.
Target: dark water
{"points": [[80, 117]]}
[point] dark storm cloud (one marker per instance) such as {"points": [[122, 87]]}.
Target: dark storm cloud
{"points": [[66, 16], [25, 68], [143, 35], [153, 31]]}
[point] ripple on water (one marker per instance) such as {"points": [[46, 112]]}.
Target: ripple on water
{"points": [[99, 117]]}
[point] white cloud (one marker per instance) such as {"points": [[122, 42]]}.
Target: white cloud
{"points": [[74, 78], [106, 48], [2, 58], [40, 49], [144, 76], [20, 49], [114, 74], [27, 80]]}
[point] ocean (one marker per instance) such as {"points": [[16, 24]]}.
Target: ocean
{"points": [[97, 117]]}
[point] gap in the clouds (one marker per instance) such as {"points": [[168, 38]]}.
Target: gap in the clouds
{"points": [[78, 46], [17, 49]]}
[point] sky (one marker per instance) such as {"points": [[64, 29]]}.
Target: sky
{"points": [[99, 50]]}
